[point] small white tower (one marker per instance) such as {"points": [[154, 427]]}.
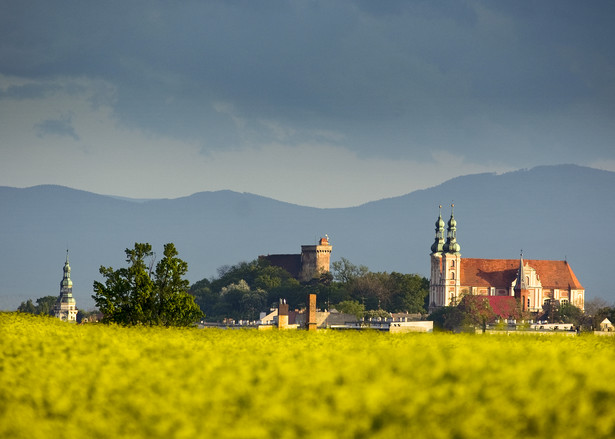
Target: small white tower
{"points": [[65, 308]]}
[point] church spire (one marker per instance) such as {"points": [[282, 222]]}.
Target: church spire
{"points": [[65, 308], [66, 282], [436, 247], [521, 278], [451, 245]]}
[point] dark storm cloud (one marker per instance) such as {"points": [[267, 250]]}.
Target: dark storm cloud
{"points": [[397, 78]]}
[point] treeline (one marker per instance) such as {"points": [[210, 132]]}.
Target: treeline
{"points": [[475, 311], [242, 291], [44, 305]]}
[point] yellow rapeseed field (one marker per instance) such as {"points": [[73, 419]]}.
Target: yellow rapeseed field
{"points": [[59, 380]]}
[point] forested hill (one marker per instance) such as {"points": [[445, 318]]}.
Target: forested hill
{"points": [[551, 212]]}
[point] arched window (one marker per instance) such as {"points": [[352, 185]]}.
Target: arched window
{"points": [[452, 275]]}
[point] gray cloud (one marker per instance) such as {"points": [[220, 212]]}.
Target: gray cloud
{"points": [[59, 127], [519, 82]]}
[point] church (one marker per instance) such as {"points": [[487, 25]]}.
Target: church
{"points": [[65, 308], [532, 282]]}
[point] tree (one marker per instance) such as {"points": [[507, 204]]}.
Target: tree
{"points": [[551, 311], [352, 307], [448, 318], [477, 311], [344, 271], [569, 313], [139, 295], [410, 293], [45, 305], [27, 306]]}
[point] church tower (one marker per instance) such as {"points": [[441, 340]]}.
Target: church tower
{"points": [[451, 263], [436, 292], [444, 283], [65, 308]]}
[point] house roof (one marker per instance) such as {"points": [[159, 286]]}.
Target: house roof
{"points": [[500, 273]]}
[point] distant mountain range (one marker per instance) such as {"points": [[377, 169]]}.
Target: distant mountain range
{"points": [[549, 212]]}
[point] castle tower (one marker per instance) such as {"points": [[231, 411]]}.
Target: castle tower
{"points": [[315, 259], [451, 263], [436, 295], [65, 307]]}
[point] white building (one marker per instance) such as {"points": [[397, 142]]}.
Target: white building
{"points": [[65, 308]]}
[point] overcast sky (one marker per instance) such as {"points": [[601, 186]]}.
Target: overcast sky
{"points": [[321, 103]]}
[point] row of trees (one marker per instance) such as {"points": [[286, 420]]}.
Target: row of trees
{"points": [[242, 291], [475, 311], [44, 305], [146, 292]]}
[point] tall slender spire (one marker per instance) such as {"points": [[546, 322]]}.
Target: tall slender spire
{"points": [[436, 247], [65, 308], [66, 282], [521, 278], [451, 245]]}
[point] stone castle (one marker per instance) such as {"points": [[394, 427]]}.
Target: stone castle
{"points": [[311, 263]]}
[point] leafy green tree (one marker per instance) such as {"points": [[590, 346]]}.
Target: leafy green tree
{"points": [[139, 295], [377, 313], [477, 311], [410, 292], [45, 305], [569, 313], [27, 306], [447, 318], [551, 311], [351, 307], [345, 272]]}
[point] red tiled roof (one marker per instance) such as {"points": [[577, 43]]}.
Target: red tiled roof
{"points": [[500, 273]]}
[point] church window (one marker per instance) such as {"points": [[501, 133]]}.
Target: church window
{"points": [[452, 263], [452, 275]]}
